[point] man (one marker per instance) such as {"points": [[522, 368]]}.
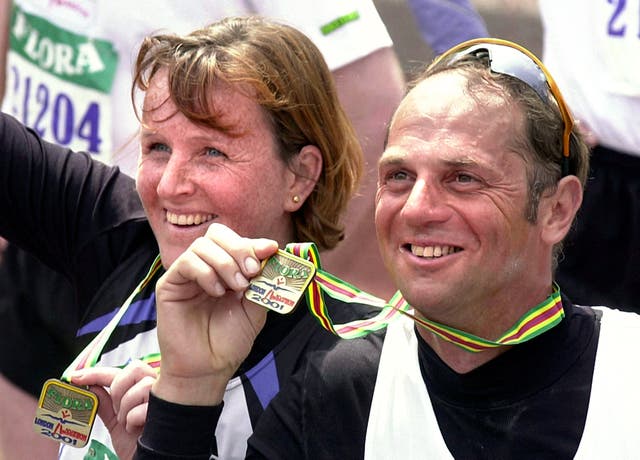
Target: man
{"points": [[480, 181]]}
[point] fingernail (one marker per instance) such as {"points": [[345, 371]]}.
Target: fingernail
{"points": [[251, 265], [76, 375]]}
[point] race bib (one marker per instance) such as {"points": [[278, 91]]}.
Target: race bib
{"points": [[59, 83], [616, 26]]}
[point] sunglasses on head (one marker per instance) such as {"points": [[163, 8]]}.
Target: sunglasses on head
{"points": [[509, 58]]}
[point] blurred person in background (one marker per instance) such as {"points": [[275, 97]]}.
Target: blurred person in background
{"points": [[593, 49], [445, 23]]}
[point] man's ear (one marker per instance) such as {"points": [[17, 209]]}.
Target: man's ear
{"points": [[307, 167], [559, 209]]}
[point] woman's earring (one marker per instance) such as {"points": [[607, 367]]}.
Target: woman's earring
{"points": [[296, 199]]}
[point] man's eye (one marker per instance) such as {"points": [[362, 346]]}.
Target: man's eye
{"points": [[398, 176], [213, 152], [464, 178]]}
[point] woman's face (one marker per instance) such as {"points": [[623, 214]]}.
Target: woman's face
{"points": [[190, 176]]}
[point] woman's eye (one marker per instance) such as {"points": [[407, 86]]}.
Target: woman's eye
{"points": [[159, 147], [213, 152]]}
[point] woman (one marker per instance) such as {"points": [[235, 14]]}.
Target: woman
{"points": [[241, 132]]}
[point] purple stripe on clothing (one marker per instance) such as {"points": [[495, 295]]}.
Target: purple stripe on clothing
{"points": [[138, 312], [264, 379]]}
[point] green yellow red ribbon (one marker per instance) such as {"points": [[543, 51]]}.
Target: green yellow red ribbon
{"points": [[537, 320], [326, 283]]}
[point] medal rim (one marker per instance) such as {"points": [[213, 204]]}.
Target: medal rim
{"points": [[69, 387], [289, 256]]}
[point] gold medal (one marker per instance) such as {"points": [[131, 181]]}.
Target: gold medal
{"points": [[282, 282], [65, 413]]}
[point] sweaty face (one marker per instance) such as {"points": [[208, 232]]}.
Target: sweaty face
{"points": [[450, 204], [190, 176]]}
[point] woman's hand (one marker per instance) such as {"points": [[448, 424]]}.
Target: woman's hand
{"points": [[205, 326], [123, 409]]}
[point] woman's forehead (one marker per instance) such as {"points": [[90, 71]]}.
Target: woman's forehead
{"points": [[228, 106]]}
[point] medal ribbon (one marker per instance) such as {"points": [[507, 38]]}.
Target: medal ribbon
{"points": [[90, 355], [539, 319], [326, 283]]}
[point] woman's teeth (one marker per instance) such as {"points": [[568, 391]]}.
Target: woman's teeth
{"points": [[188, 219]]}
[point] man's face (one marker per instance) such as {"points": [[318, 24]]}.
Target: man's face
{"points": [[450, 207]]}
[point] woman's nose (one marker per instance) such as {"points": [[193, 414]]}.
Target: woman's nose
{"points": [[176, 177]]}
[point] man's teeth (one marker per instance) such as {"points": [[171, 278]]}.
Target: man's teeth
{"points": [[433, 251], [188, 219]]}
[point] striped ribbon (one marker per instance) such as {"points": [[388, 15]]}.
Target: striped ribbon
{"points": [[533, 323], [90, 355], [539, 319], [325, 283]]}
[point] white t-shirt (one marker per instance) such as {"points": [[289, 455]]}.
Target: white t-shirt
{"points": [[400, 402], [70, 62], [592, 49]]}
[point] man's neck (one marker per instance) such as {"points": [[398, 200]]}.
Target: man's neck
{"points": [[487, 323], [457, 358]]}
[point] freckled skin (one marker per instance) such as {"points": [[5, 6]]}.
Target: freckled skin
{"points": [[448, 177], [236, 177]]}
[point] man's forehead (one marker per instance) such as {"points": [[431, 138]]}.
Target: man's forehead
{"points": [[445, 102], [450, 92], [441, 121]]}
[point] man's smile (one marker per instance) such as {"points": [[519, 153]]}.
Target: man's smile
{"points": [[433, 252]]}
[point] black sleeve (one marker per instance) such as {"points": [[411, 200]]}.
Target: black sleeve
{"points": [[78, 216], [66, 208], [173, 431], [322, 414], [38, 317]]}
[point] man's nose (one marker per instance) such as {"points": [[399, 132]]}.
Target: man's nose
{"points": [[426, 203]]}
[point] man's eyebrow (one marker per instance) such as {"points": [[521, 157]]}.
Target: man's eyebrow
{"points": [[460, 162], [391, 159]]}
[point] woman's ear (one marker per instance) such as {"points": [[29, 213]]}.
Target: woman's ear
{"points": [[307, 167], [559, 209]]}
